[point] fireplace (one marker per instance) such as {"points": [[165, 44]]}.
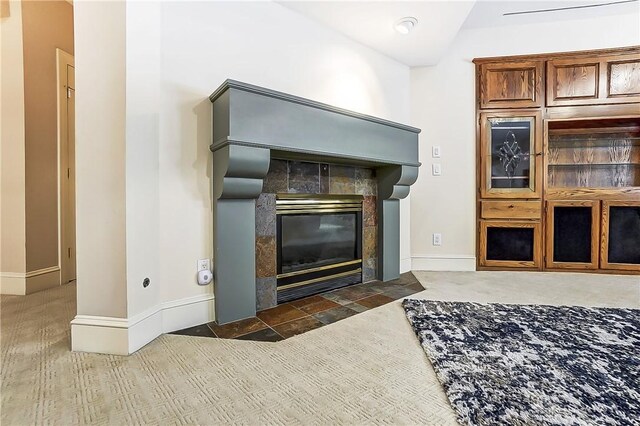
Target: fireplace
{"points": [[253, 126], [319, 243]]}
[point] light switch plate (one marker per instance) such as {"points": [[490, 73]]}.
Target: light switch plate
{"points": [[436, 169], [435, 151]]}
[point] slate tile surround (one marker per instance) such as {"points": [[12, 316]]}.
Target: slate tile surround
{"points": [[303, 315], [286, 176]]}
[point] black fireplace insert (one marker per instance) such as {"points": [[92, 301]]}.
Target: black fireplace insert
{"points": [[319, 243]]}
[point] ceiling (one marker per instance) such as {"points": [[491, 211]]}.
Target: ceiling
{"points": [[371, 22]]}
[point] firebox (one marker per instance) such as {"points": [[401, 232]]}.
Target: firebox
{"points": [[319, 243]]}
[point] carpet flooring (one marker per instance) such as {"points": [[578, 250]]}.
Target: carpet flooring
{"points": [[367, 369], [533, 364]]}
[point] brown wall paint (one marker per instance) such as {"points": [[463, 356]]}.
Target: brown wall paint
{"points": [[46, 25]]}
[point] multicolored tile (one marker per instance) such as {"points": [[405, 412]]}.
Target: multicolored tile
{"points": [[266, 215], [265, 257], [276, 179], [201, 330], [266, 335], [365, 181], [369, 210], [237, 328], [266, 293], [304, 177], [280, 314], [370, 242], [342, 179], [299, 326], [324, 178], [375, 301], [335, 314]]}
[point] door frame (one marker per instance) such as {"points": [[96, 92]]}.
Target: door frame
{"points": [[65, 157]]}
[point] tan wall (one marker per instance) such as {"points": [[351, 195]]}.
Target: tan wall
{"points": [[12, 162], [46, 25]]}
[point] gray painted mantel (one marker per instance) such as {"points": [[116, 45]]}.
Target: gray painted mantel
{"points": [[250, 126]]}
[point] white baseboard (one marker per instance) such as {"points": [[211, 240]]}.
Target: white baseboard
{"points": [[124, 336], [21, 283], [443, 263], [405, 265], [103, 335], [43, 279], [15, 284]]}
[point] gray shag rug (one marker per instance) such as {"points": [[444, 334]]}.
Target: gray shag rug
{"points": [[532, 364]]}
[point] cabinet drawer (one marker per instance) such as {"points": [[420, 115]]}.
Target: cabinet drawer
{"points": [[511, 209]]}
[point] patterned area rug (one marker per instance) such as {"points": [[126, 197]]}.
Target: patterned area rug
{"points": [[533, 364]]}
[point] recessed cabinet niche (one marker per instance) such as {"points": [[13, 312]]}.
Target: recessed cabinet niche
{"points": [[558, 143]]}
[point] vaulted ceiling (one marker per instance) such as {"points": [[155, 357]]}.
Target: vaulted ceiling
{"points": [[372, 22]]}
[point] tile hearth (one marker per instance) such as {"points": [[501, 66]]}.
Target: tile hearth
{"points": [[299, 316]]}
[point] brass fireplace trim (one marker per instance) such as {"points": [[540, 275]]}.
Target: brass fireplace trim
{"points": [[315, 280], [317, 203], [319, 268]]}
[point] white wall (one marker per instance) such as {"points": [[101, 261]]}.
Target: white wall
{"points": [[260, 43], [443, 105], [12, 154], [100, 158]]}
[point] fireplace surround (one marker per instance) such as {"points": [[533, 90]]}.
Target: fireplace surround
{"points": [[253, 126]]}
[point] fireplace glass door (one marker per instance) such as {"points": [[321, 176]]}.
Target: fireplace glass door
{"points": [[315, 240], [319, 243]]}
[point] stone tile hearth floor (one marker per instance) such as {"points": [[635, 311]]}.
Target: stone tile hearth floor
{"points": [[302, 315]]}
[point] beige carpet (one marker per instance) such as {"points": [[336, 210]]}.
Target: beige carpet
{"points": [[362, 370]]}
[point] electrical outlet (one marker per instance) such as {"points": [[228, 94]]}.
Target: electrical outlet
{"points": [[437, 239], [436, 169], [435, 151], [204, 264]]}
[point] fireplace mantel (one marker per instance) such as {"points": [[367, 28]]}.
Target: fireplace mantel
{"points": [[251, 125]]}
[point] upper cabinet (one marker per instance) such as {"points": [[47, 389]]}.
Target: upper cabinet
{"points": [[593, 80], [512, 84]]}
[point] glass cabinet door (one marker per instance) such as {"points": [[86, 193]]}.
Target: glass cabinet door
{"points": [[511, 154]]}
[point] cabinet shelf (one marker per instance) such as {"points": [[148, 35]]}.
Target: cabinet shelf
{"points": [[593, 164]]}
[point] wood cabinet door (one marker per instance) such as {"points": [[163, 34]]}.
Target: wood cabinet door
{"points": [[572, 234], [512, 84], [593, 80], [623, 79], [620, 248], [511, 154], [510, 244]]}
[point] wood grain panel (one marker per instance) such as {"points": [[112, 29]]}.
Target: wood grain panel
{"points": [[624, 78], [511, 85], [511, 209], [573, 82]]}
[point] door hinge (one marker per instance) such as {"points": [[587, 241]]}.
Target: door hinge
{"points": [[68, 173], [69, 252], [68, 92]]}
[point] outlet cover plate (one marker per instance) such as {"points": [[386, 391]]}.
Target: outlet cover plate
{"points": [[204, 265], [437, 239]]}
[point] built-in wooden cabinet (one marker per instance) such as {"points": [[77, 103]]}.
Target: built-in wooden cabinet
{"points": [[558, 140], [591, 80], [511, 84]]}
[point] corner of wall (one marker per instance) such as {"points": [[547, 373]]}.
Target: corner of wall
{"points": [[124, 336]]}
